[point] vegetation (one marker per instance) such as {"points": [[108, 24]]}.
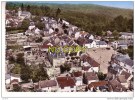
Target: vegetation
{"points": [[16, 69], [39, 40], [18, 62], [16, 88], [101, 76], [87, 17], [20, 58], [39, 73], [58, 12], [64, 68], [12, 30], [116, 34], [129, 51], [20, 67], [25, 24], [11, 59], [40, 25], [25, 73], [15, 47]]}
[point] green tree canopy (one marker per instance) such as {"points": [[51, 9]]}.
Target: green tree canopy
{"points": [[39, 73], [25, 24], [25, 73], [101, 76], [28, 8], [58, 12], [40, 25], [22, 7], [116, 34], [20, 58]]}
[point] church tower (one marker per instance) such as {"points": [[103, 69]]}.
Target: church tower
{"points": [[19, 12]]}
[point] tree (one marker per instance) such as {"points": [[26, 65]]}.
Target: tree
{"points": [[42, 73], [40, 25], [64, 68], [39, 40], [56, 30], [28, 8], [47, 11], [20, 58], [25, 73], [119, 23], [131, 24], [16, 69], [36, 18], [66, 32], [34, 75], [116, 34], [22, 7], [101, 76], [103, 33], [16, 88], [11, 59], [38, 12], [130, 52], [39, 73], [25, 24], [58, 12]]}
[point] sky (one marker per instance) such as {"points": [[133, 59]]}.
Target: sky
{"points": [[118, 4]]}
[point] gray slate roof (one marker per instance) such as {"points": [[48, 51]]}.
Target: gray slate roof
{"points": [[25, 13], [101, 43], [127, 75]]}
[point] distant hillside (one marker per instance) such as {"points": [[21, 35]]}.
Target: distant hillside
{"points": [[94, 9], [87, 8]]}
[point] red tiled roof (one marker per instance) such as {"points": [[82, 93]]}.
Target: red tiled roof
{"points": [[91, 61], [91, 76], [14, 81], [85, 68], [45, 44], [97, 84], [81, 41], [77, 74], [8, 16], [47, 83], [66, 81], [116, 85]]}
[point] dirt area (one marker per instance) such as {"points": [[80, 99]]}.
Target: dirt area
{"points": [[102, 56]]}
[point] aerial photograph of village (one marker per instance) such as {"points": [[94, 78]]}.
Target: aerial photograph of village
{"points": [[76, 46]]}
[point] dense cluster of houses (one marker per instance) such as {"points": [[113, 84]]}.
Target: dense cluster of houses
{"points": [[12, 20], [83, 75]]}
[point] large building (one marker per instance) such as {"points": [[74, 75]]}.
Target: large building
{"points": [[23, 14]]}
